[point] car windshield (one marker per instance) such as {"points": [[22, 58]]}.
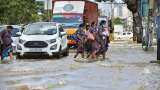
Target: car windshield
{"points": [[40, 29], [14, 32]]}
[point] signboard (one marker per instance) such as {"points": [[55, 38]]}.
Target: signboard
{"points": [[69, 7], [48, 4]]}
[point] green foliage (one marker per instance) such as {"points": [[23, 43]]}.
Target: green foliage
{"points": [[17, 11], [118, 21]]}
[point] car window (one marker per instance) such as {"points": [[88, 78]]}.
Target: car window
{"points": [[50, 31], [1, 29], [61, 29], [14, 32], [128, 33], [124, 33], [40, 29]]}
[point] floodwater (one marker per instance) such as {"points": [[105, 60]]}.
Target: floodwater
{"points": [[127, 67]]}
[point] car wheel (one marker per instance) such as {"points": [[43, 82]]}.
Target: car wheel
{"points": [[19, 56], [59, 53], [66, 53]]}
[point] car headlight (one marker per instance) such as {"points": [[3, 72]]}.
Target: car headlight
{"points": [[21, 41], [51, 41], [53, 47]]}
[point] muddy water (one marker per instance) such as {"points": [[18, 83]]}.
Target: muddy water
{"points": [[127, 67]]}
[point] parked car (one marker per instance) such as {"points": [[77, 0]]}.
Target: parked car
{"points": [[43, 38], [125, 36]]}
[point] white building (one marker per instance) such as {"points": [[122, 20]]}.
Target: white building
{"points": [[105, 8], [121, 11]]}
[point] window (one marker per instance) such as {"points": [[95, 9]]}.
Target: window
{"points": [[124, 33], [61, 29], [128, 33], [14, 32]]}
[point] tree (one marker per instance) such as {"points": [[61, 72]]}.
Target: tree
{"points": [[137, 20], [117, 21], [17, 11]]}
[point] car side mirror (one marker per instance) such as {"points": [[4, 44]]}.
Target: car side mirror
{"points": [[63, 33], [19, 33]]}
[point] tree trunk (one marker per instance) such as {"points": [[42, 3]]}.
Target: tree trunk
{"points": [[134, 31], [137, 27]]}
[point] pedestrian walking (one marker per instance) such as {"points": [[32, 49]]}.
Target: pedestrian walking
{"points": [[103, 35], [7, 44], [89, 40], [95, 45], [80, 33]]}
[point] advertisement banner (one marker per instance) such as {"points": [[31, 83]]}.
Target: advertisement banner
{"points": [[68, 7]]}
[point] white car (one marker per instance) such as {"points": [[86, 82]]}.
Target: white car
{"points": [[125, 36], [43, 38]]}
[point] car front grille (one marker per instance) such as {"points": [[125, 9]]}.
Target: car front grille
{"points": [[35, 44]]}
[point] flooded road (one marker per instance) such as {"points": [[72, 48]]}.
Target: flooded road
{"points": [[127, 67]]}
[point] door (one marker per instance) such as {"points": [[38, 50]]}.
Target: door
{"points": [[63, 36]]}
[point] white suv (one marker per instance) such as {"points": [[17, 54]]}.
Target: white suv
{"points": [[43, 38]]}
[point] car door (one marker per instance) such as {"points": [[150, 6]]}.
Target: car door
{"points": [[63, 36]]}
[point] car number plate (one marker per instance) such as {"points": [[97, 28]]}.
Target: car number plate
{"points": [[35, 50]]}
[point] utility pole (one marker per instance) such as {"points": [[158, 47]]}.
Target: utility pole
{"points": [[48, 10], [112, 18]]}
